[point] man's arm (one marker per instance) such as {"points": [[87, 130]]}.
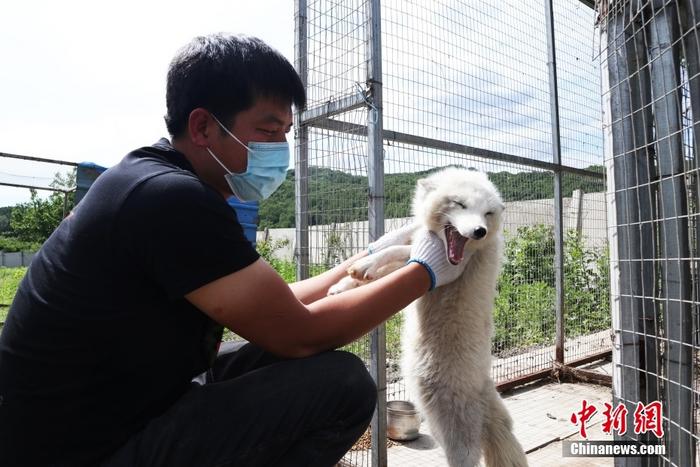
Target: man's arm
{"points": [[259, 306], [315, 288]]}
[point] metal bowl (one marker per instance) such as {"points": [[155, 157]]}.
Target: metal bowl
{"points": [[402, 421]]}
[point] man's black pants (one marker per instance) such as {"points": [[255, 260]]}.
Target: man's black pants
{"points": [[255, 409]]}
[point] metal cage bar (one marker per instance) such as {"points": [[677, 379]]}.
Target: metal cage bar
{"points": [[375, 175], [556, 159], [398, 88], [301, 149], [651, 59]]}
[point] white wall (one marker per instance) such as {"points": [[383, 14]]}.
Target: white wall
{"points": [[585, 211]]}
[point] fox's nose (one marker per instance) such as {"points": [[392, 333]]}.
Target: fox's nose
{"points": [[479, 232]]}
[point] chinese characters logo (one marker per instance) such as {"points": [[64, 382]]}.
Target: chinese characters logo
{"points": [[647, 418]]}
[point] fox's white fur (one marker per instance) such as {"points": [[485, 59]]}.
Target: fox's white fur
{"points": [[447, 332]]}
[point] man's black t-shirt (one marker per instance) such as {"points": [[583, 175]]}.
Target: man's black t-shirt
{"points": [[99, 338]]}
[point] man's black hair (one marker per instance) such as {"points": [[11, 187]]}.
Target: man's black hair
{"points": [[225, 74]]}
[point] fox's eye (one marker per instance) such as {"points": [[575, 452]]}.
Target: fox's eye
{"points": [[490, 213], [461, 205]]}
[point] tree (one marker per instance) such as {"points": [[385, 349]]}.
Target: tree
{"points": [[335, 196], [35, 220], [5, 214]]}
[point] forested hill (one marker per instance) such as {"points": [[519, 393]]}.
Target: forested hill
{"points": [[336, 196]]}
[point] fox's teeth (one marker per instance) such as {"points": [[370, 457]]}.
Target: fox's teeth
{"points": [[455, 244]]}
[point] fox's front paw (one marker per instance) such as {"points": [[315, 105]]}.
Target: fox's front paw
{"points": [[365, 269], [346, 283]]}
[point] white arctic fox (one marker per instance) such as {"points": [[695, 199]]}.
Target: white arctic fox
{"points": [[447, 332]]}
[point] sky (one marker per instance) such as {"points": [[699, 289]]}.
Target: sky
{"points": [[464, 72], [85, 80]]}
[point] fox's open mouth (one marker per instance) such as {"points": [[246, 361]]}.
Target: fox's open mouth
{"points": [[455, 244]]}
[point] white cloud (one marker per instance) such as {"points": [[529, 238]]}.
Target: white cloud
{"points": [[85, 80]]}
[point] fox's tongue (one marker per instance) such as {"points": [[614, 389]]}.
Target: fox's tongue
{"points": [[455, 244]]}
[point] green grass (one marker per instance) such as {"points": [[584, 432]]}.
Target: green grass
{"points": [[287, 269], [523, 315], [9, 281]]}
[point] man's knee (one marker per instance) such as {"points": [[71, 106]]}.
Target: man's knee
{"points": [[355, 380]]}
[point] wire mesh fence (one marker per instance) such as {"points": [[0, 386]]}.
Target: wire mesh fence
{"points": [[465, 84], [649, 52], [52, 188], [22, 172]]}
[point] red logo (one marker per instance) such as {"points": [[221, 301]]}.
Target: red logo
{"points": [[615, 419], [647, 418]]}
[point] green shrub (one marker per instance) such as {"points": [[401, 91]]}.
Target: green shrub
{"points": [[9, 281], [35, 220], [586, 287], [523, 315], [524, 311], [12, 244], [393, 336], [530, 255], [268, 248]]}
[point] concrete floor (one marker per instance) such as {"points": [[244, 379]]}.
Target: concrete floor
{"points": [[541, 417], [541, 414]]}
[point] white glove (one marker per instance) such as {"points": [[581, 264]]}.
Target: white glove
{"points": [[400, 236], [429, 251]]}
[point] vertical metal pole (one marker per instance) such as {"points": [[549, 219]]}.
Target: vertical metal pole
{"points": [[556, 156], [641, 176], [691, 44], [675, 269], [65, 204], [577, 207], [641, 212], [638, 176], [375, 169], [612, 200], [626, 384], [301, 149]]}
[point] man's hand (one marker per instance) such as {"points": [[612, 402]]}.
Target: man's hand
{"points": [[429, 251]]}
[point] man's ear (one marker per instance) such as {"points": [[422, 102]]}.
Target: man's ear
{"points": [[200, 127]]}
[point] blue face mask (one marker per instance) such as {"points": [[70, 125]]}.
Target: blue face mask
{"points": [[267, 168]]}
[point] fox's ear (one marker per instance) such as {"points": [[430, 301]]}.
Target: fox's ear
{"points": [[426, 185]]}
